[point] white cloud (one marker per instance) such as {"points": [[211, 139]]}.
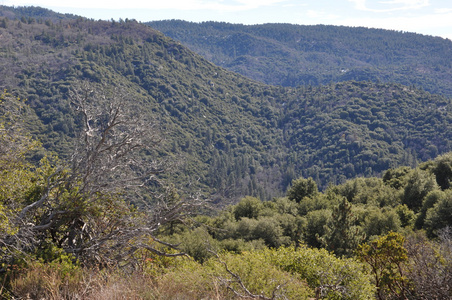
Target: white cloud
{"points": [[430, 24], [222, 5], [321, 15], [115, 4], [389, 5], [359, 4], [407, 3], [443, 10], [434, 18]]}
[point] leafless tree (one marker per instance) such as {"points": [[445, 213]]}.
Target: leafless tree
{"points": [[109, 153], [86, 205], [430, 266]]}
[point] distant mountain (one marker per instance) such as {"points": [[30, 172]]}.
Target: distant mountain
{"points": [[293, 55], [232, 136]]}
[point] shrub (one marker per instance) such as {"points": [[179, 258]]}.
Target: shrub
{"points": [[248, 207], [332, 277], [315, 226], [301, 188], [439, 216], [211, 280], [386, 256], [259, 275], [59, 279]]}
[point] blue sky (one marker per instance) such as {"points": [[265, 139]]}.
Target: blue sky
{"points": [[431, 17]]}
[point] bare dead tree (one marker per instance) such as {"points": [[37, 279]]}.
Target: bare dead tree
{"points": [[115, 133], [430, 266], [85, 207]]}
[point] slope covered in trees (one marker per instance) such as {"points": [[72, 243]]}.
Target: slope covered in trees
{"points": [[292, 55], [32, 13], [68, 230], [230, 136], [123, 106]]}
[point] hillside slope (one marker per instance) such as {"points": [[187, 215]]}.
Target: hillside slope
{"points": [[29, 13], [231, 136], [292, 55]]}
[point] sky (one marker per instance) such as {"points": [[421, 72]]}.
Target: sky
{"points": [[430, 17]]}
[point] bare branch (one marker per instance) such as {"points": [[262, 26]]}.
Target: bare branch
{"points": [[84, 206], [236, 279], [43, 198]]}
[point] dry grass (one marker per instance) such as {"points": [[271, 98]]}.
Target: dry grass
{"points": [[156, 280], [46, 282]]}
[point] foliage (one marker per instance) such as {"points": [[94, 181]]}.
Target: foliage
{"points": [[438, 216], [195, 243], [58, 279], [406, 216], [286, 272], [33, 13], [315, 226], [419, 184], [441, 167], [104, 203], [235, 136], [395, 178], [55, 274], [301, 188], [386, 257], [84, 207], [228, 275], [259, 275], [294, 55], [380, 221], [342, 236], [368, 191], [248, 207], [338, 219], [334, 278]]}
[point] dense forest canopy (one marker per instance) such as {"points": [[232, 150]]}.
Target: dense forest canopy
{"points": [[234, 136], [293, 55]]}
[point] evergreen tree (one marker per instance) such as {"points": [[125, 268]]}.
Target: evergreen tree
{"points": [[342, 236], [301, 188]]}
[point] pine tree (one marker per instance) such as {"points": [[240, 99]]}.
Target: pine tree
{"points": [[342, 236]]}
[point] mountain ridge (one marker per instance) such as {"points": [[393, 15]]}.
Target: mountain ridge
{"points": [[319, 54], [231, 135]]}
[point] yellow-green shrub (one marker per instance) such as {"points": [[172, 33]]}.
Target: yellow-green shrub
{"points": [[335, 278]]}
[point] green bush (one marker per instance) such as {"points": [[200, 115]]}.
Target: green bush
{"points": [[301, 188], [380, 221], [440, 215], [226, 276], [386, 256], [248, 207], [259, 275], [332, 277], [315, 226]]}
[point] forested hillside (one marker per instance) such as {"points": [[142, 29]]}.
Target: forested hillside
{"points": [[230, 136], [293, 55], [33, 12], [131, 167]]}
